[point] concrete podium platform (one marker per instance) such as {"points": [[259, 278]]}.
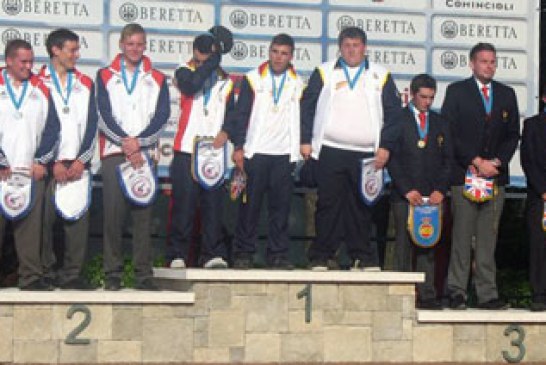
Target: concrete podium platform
{"points": [[261, 316]]}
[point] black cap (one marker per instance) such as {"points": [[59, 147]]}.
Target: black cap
{"points": [[223, 37]]}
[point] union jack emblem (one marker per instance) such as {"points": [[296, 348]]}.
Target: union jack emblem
{"points": [[478, 189]]}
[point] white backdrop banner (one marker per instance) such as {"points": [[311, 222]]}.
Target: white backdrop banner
{"points": [[408, 37]]}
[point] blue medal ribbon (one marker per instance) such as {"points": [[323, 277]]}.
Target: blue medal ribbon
{"points": [[129, 88], [11, 92], [57, 84], [423, 132], [488, 104], [277, 92], [361, 68]]}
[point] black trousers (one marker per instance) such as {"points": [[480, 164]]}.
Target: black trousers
{"points": [[271, 175], [404, 250], [186, 194], [537, 255], [340, 208]]}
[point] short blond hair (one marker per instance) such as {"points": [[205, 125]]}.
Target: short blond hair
{"points": [[130, 29]]}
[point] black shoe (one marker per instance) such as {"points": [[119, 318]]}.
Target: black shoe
{"points": [[318, 265], [281, 263], [77, 284], [243, 262], [537, 307], [112, 284], [430, 304], [457, 302], [38, 285], [147, 284], [494, 304]]}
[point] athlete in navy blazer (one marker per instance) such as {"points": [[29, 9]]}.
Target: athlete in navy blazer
{"points": [[484, 142]]}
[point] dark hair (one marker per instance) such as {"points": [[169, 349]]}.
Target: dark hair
{"points": [[14, 45], [481, 47], [130, 29], [351, 32], [283, 39], [57, 39], [422, 80], [203, 43]]}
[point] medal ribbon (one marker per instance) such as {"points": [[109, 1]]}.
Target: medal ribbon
{"points": [[422, 128], [352, 82], [11, 92], [207, 90], [130, 88], [277, 92], [487, 98], [57, 84]]}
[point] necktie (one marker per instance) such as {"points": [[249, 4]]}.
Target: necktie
{"points": [[422, 120], [485, 91]]}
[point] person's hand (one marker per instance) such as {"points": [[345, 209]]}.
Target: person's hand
{"points": [[130, 146], [305, 150], [414, 197], [5, 173], [60, 172], [76, 170], [38, 171], [436, 197], [543, 195], [136, 160], [238, 158], [381, 157], [487, 168], [220, 139]]}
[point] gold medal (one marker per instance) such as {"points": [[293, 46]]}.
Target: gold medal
{"points": [[275, 108], [421, 144]]}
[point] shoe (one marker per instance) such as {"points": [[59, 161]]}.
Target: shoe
{"points": [[243, 262], [38, 285], [216, 263], [281, 263], [457, 302], [537, 307], [430, 304], [178, 263], [494, 304], [319, 265], [372, 269], [147, 284], [77, 284], [112, 284], [358, 265]]}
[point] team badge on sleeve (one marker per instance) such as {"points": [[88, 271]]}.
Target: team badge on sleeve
{"points": [[478, 189], [371, 181], [208, 163], [73, 198], [139, 185], [16, 194], [425, 224]]}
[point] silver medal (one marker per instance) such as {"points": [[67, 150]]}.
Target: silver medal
{"points": [[66, 110], [18, 115], [205, 112]]}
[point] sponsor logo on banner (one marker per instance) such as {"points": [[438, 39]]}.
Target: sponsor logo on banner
{"points": [[396, 59], [292, 2], [82, 12], [271, 21], [161, 48], [402, 4], [497, 7], [510, 65], [381, 26], [509, 33], [90, 41], [250, 53], [163, 14]]}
